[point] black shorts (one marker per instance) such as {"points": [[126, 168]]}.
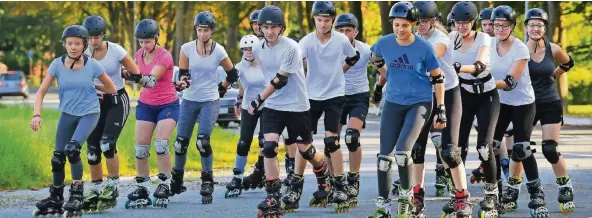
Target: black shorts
{"points": [[332, 108], [549, 113], [297, 123], [356, 105]]}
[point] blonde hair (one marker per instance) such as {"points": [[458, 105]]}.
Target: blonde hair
{"points": [[438, 25]]}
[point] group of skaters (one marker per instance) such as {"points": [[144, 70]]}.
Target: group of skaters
{"points": [[439, 81]]}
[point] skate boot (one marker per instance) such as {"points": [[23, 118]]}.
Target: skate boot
{"points": [[271, 206], [505, 164], [511, 194], [91, 199], [292, 198], [340, 194], [73, 207], [537, 200], [383, 208], [109, 195], [396, 185], [51, 206], [565, 197], [478, 175], [162, 192], [140, 197], [448, 208], [255, 180], [177, 181], [353, 189], [207, 187], [235, 186], [405, 203], [418, 203], [440, 180], [320, 198], [462, 205], [289, 164], [488, 207]]}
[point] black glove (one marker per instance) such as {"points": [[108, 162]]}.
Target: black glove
{"points": [[440, 114], [457, 66], [377, 95], [351, 61], [256, 104], [222, 90], [132, 76]]}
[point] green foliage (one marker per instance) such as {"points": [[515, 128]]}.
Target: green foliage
{"points": [[580, 85]]}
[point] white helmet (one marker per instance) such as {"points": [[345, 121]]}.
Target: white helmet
{"points": [[248, 41]]}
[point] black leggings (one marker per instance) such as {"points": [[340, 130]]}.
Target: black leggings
{"points": [[487, 108], [247, 128], [521, 117]]}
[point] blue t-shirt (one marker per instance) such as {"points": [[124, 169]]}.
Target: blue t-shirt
{"points": [[77, 92], [407, 69]]}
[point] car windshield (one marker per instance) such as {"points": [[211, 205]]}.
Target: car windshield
{"points": [[16, 76]]}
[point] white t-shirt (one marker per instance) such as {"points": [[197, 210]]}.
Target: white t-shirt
{"points": [[356, 78], [439, 37], [285, 56], [523, 94], [112, 64], [325, 78], [204, 80], [469, 57], [251, 78]]}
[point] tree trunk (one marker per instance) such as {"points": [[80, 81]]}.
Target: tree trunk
{"points": [[555, 33], [355, 7], [232, 11], [179, 21], [311, 25], [301, 15], [387, 27]]}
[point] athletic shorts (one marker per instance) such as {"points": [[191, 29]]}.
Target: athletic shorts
{"points": [[297, 124], [549, 113], [356, 105], [332, 108], [154, 114]]}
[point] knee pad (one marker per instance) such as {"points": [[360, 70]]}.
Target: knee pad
{"points": [[261, 143], [181, 145], [352, 139], [403, 158], [550, 151], [161, 147], [483, 151], [203, 145], [72, 151], [437, 141], [327, 152], [332, 144], [451, 156], [243, 147], [417, 155], [270, 149], [385, 163], [58, 161], [142, 151], [309, 153], [108, 146], [93, 154], [496, 147], [521, 151], [509, 131]]}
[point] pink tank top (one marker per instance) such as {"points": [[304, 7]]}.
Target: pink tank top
{"points": [[164, 92]]}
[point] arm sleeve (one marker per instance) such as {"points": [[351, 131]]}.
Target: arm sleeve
{"points": [[97, 69], [120, 52], [348, 49], [222, 54], [302, 45], [522, 53], [430, 59], [289, 62], [375, 49], [53, 67], [166, 60]]}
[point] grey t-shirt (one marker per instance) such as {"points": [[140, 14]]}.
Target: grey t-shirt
{"points": [[251, 78], [356, 78], [204, 79], [285, 56], [112, 64], [77, 92]]}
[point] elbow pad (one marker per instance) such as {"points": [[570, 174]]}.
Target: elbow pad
{"points": [[282, 81], [479, 68], [232, 75], [511, 83], [379, 63], [351, 61], [186, 74], [437, 79], [148, 81], [567, 66]]}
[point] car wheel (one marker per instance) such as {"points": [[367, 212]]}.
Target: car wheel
{"points": [[25, 96], [223, 124]]}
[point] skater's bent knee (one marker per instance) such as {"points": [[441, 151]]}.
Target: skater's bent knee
{"points": [[108, 146], [161, 147], [72, 151], [203, 145], [352, 139], [451, 156], [521, 151], [270, 149], [309, 153], [181, 145], [93, 154], [332, 144], [142, 151], [384, 163], [550, 151], [403, 158], [243, 147], [58, 161]]}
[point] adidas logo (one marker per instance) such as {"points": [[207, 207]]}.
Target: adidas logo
{"points": [[402, 62], [299, 138]]}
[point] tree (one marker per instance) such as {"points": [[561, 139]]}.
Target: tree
{"points": [[385, 8], [355, 7]]}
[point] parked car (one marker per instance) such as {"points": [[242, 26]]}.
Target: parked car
{"points": [[13, 83]]}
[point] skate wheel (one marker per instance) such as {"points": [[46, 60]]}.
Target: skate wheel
{"points": [[567, 208]]}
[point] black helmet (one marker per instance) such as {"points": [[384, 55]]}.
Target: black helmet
{"points": [[404, 10], [76, 31], [427, 9], [464, 11], [503, 12], [147, 29], [254, 16], [271, 15], [205, 19], [536, 13], [485, 14], [323, 8], [346, 19], [95, 25]]}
